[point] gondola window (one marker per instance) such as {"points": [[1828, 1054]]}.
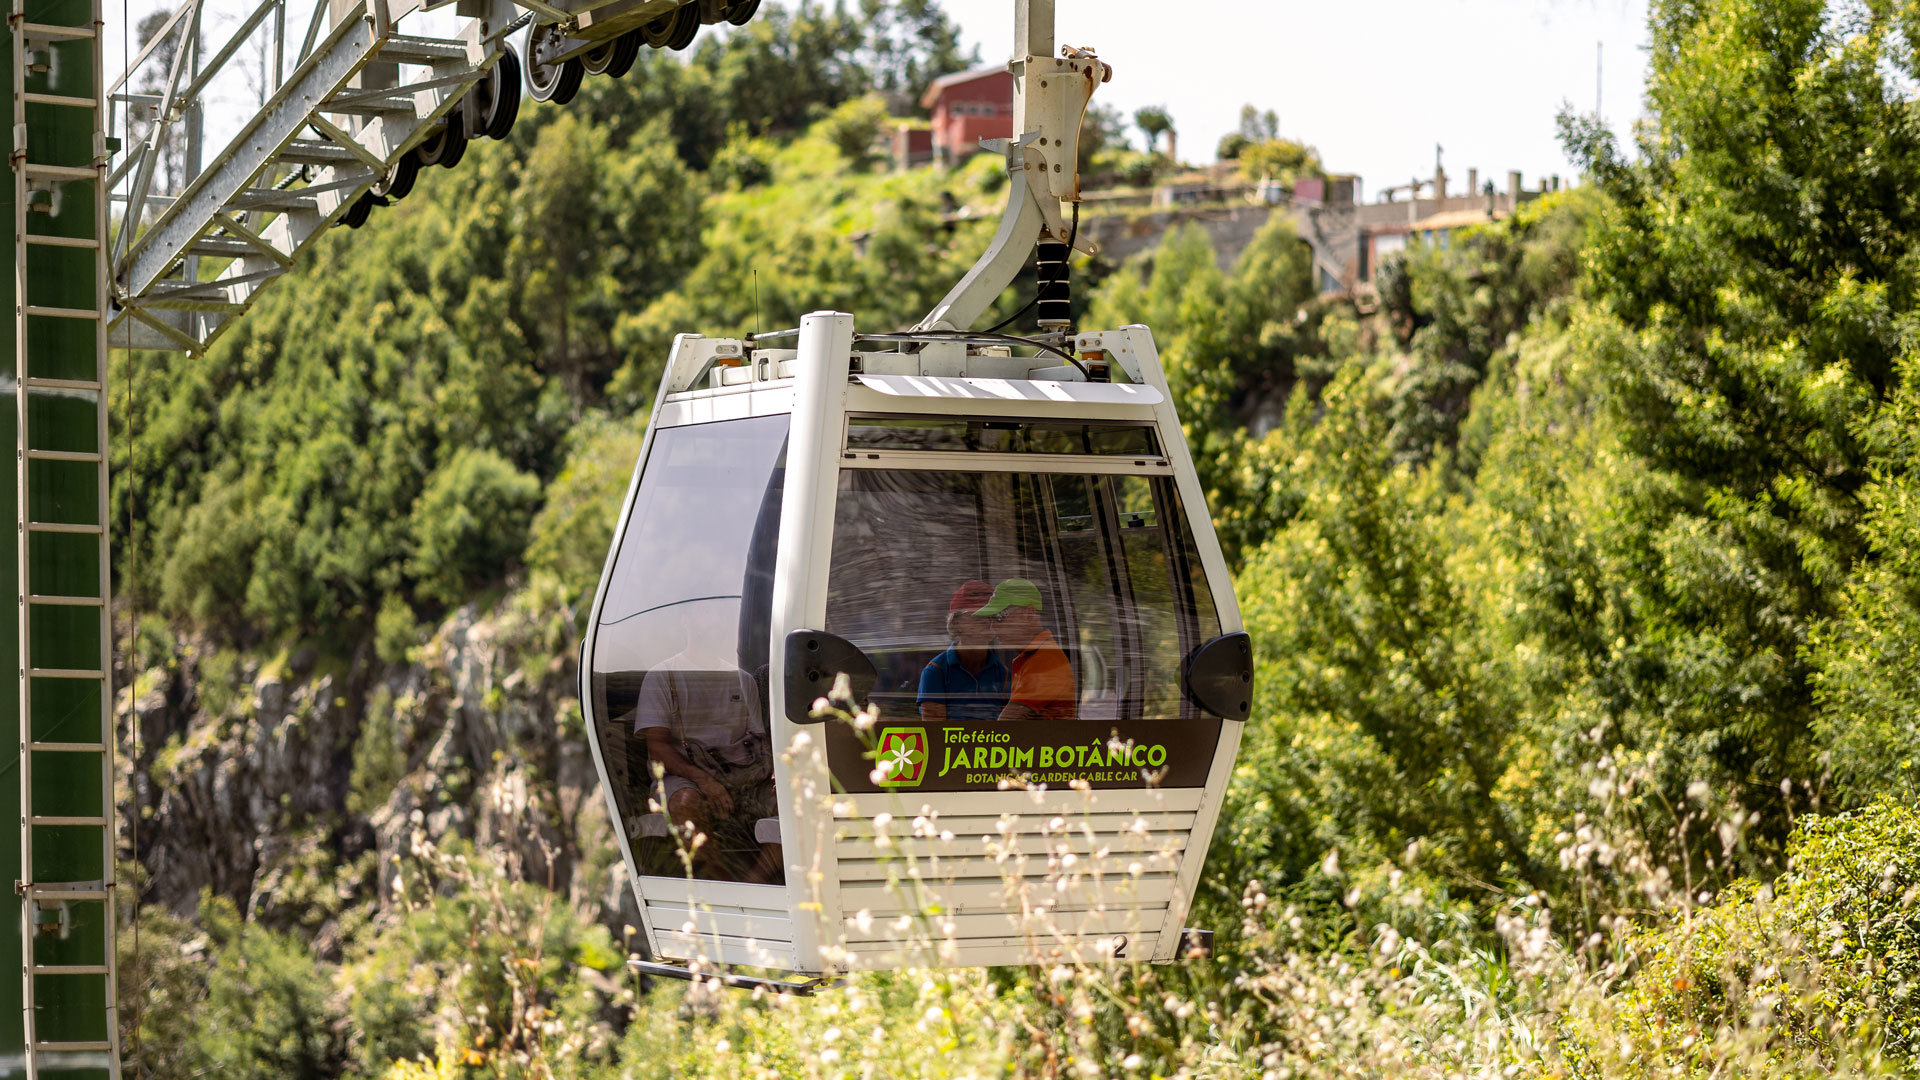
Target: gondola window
{"points": [[1105, 567], [680, 663]]}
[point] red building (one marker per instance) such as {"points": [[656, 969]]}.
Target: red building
{"points": [[911, 146], [968, 106]]}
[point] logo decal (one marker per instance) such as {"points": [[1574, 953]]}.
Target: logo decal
{"points": [[901, 757]]}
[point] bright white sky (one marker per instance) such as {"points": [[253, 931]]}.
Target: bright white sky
{"points": [[1373, 86]]}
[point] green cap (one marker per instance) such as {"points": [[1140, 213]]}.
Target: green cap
{"points": [[1013, 592]]}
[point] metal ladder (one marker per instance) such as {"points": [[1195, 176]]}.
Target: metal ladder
{"points": [[319, 124], [66, 875]]}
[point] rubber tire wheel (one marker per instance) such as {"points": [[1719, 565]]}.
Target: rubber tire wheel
{"points": [[507, 109], [494, 102], [686, 24], [399, 181], [447, 146], [740, 11], [356, 214], [556, 83], [615, 58], [657, 33]]}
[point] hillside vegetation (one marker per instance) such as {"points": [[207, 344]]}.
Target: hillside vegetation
{"points": [[1581, 570]]}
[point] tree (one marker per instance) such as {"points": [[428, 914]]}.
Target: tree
{"points": [[1456, 310], [908, 44], [1256, 127], [1102, 131], [1755, 274], [1222, 337], [1867, 677], [1153, 121], [784, 70], [1279, 160], [1370, 648]]}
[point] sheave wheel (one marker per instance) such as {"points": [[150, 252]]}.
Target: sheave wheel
{"points": [[657, 33], [448, 145], [555, 81], [686, 23], [500, 122], [356, 214], [399, 180], [615, 57], [740, 11], [494, 101]]}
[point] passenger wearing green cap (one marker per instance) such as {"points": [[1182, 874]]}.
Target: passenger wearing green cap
{"points": [[1041, 674]]}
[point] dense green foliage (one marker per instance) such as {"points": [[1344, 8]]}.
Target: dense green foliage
{"points": [[1580, 560], [1757, 274]]}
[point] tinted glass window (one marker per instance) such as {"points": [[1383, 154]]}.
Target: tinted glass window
{"points": [[1092, 588], [681, 650], [998, 436]]}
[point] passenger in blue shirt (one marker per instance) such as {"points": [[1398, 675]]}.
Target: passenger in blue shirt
{"points": [[967, 682]]}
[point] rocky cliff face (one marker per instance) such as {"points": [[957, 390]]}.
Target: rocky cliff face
{"points": [[289, 784]]}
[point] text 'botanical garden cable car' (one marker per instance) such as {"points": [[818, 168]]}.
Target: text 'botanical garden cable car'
{"points": [[1007, 560]]}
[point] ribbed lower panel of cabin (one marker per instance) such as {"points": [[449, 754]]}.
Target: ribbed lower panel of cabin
{"points": [[958, 879], [981, 878], [720, 922]]}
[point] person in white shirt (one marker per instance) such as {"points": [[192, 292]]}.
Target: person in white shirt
{"points": [[706, 734]]}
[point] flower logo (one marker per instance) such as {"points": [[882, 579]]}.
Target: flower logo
{"points": [[901, 756]]}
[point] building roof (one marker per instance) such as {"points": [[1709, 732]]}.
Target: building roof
{"points": [[958, 78], [1452, 219], [1446, 219]]}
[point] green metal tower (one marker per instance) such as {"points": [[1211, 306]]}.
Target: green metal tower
{"points": [[62, 1022]]}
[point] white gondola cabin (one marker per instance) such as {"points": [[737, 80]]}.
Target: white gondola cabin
{"points": [[801, 513], [1009, 560]]}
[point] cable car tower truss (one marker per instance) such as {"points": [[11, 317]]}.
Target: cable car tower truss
{"points": [[124, 232]]}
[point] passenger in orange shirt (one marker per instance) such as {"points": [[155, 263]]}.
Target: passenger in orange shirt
{"points": [[1042, 676]]}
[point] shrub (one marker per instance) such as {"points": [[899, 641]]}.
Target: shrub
{"points": [[573, 530], [853, 127], [470, 523], [269, 1010], [395, 631], [483, 966], [1819, 969]]}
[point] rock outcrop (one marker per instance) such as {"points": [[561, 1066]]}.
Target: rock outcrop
{"points": [[291, 785]]}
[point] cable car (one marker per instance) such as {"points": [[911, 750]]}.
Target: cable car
{"points": [[1001, 565]]}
